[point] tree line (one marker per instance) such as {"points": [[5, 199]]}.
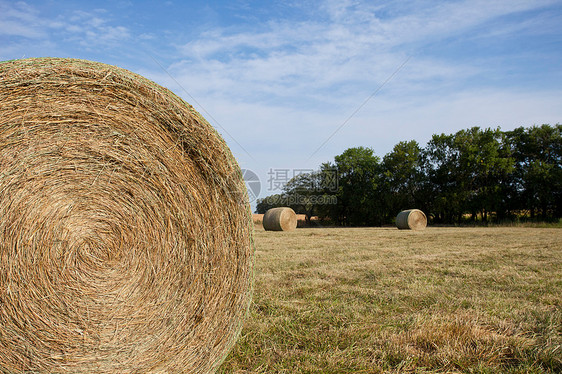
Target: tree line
{"points": [[473, 175]]}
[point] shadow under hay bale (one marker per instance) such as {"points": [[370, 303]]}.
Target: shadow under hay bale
{"points": [[280, 219], [125, 230], [411, 219]]}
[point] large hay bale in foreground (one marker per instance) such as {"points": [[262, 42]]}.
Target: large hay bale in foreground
{"points": [[125, 229], [280, 219], [413, 219]]}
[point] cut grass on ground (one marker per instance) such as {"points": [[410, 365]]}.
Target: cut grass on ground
{"points": [[374, 300]]}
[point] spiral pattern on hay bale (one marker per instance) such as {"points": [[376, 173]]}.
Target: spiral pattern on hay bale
{"points": [[280, 219], [125, 230], [411, 219]]}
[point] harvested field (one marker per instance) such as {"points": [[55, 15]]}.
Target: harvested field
{"points": [[374, 300]]}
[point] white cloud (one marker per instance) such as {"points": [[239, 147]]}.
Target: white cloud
{"points": [[91, 29], [85, 28], [355, 48], [282, 86], [19, 19], [449, 18]]}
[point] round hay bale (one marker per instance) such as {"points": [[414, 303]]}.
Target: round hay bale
{"points": [[412, 219], [280, 219], [125, 229]]}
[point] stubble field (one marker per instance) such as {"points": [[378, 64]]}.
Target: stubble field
{"points": [[374, 300]]}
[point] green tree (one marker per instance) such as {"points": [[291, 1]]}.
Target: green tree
{"points": [[268, 202], [470, 171], [484, 168], [358, 179], [403, 178], [441, 165], [537, 179], [302, 193]]}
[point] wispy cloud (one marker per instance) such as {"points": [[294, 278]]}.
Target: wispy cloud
{"points": [[94, 28], [20, 19], [280, 81], [86, 28], [344, 47], [308, 76]]}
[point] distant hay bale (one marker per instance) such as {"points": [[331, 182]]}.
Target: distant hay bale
{"points": [[280, 219], [125, 229], [413, 219], [257, 218]]}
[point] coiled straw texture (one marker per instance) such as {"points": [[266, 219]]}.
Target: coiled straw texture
{"points": [[125, 231]]}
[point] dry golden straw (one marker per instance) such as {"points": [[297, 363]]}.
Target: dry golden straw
{"points": [[125, 232], [280, 219], [413, 219]]}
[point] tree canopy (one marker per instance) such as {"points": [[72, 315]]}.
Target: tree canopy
{"points": [[474, 174]]}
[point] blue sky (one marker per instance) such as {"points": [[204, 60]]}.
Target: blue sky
{"points": [[278, 78]]}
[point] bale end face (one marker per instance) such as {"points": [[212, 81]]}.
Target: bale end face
{"points": [[125, 229]]}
